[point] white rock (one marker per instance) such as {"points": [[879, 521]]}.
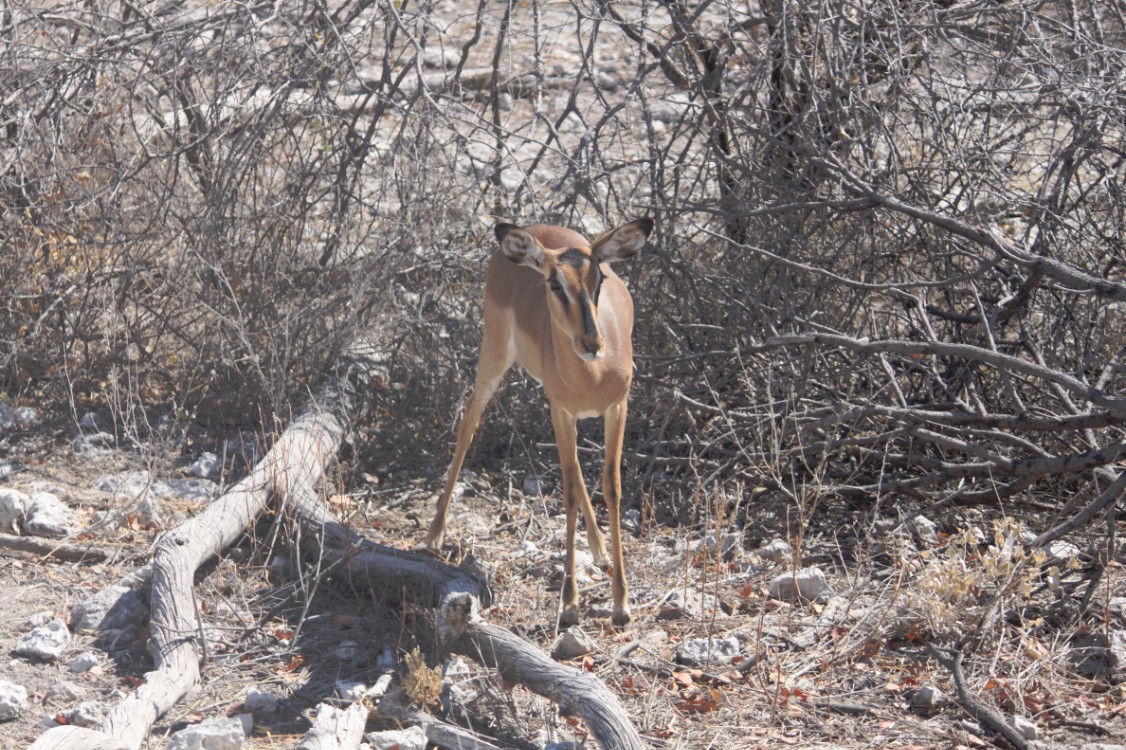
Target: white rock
{"points": [[731, 544], [93, 442], [27, 416], [347, 650], [113, 608], [700, 652], [64, 692], [190, 489], [777, 551], [1024, 727], [83, 662], [111, 518], [411, 738], [608, 81], [922, 527], [20, 417], [511, 178], [386, 658], [13, 505], [350, 690], [571, 644], [1060, 551], [89, 714], [806, 583], [48, 516], [13, 700], [927, 696], [221, 733], [205, 467], [44, 643], [631, 520], [260, 700], [692, 605]]}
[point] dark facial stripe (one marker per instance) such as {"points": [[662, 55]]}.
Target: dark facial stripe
{"points": [[588, 314]]}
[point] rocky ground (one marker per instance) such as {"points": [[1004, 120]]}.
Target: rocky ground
{"points": [[745, 634]]}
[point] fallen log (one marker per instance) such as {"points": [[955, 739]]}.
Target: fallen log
{"points": [[70, 738], [462, 630], [58, 550], [288, 475], [297, 460]]}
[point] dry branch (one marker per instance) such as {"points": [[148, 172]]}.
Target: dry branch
{"points": [[462, 631], [58, 550], [296, 461], [1004, 362], [972, 704]]}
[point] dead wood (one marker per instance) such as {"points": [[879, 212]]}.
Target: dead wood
{"points": [[972, 704], [336, 729], [394, 573], [71, 738], [443, 734], [68, 552], [296, 461], [462, 631]]}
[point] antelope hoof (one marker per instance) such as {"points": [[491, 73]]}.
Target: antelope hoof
{"points": [[621, 619], [427, 548], [569, 616]]}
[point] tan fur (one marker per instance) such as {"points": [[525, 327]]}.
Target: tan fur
{"points": [[582, 353]]}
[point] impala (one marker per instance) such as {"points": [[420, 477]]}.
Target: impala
{"points": [[553, 304]]}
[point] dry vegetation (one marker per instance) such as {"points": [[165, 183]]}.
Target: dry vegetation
{"points": [[886, 285]]}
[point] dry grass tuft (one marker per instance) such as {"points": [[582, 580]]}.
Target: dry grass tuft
{"points": [[422, 683]]}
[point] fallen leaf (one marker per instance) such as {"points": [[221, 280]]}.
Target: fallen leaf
{"points": [[698, 704], [729, 677], [682, 678]]}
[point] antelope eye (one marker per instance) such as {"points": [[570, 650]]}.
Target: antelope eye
{"points": [[554, 286]]}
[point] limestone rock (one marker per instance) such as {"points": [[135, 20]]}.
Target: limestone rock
{"points": [[45, 643]]}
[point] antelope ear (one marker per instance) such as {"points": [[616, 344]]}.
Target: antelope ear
{"points": [[623, 242], [519, 246]]}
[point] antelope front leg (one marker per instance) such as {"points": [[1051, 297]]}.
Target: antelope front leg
{"points": [[615, 423], [566, 439], [471, 416]]}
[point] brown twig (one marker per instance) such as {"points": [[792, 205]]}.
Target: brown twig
{"points": [[973, 705]]}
